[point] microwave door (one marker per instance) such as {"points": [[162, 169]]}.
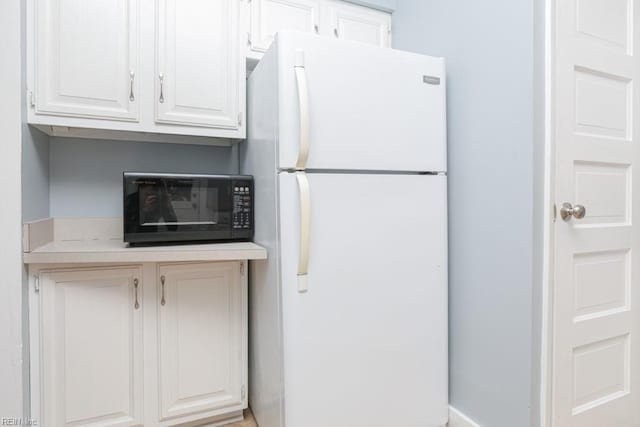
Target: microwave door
{"points": [[182, 200], [206, 208]]}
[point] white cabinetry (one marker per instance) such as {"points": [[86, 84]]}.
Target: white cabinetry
{"points": [[202, 338], [331, 18], [158, 67], [197, 63], [270, 16], [87, 56], [102, 335], [91, 352], [356, 23]]}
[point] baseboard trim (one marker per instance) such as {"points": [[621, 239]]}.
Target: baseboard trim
{"points": [[458, 419]]}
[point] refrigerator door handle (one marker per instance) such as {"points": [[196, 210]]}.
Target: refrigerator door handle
{"points": [[303, 104], [305, 226]]}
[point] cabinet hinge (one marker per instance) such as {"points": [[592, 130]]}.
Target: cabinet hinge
{"points": [[243, 392], [32, 99], [248, 39], [239, 119], [242, 268], [36, 283], [555, 212]]}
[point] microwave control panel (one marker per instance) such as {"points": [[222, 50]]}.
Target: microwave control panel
{"points": [[242, 215]]}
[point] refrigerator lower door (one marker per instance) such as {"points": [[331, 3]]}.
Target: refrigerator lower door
{"points": [[366, 343], [345, 105]]}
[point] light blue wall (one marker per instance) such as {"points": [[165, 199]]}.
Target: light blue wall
{"points": [[35, 174], [86, 175], [490, 61], [388, 5]]}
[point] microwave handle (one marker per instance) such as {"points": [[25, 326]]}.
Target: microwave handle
{"points": [[305, 226], [303, 105]]}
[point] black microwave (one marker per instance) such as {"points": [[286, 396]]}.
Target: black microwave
{"points": [[166, 208]]}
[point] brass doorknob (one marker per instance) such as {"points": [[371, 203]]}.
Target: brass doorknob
{"points": [[567, 211]]}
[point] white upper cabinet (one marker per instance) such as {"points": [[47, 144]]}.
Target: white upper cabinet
{"points": [[86, 58], [270, 16], [202, 339], [361, 24], [91, 347], [197, 75], [331, 18], [143, 68]]}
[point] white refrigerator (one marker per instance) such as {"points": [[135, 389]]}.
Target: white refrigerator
{"points": [[348, 315]]}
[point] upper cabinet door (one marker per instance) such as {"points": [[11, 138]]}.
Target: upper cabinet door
{"points": [[361, 24], [270, 16], [87, 58], [91, 356], [202, 337], [197, 65]]}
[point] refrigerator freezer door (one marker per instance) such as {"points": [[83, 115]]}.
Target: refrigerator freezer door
{"points": [[368, 108], [366, 344]]}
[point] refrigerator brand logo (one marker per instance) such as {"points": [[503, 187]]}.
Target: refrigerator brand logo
{"points": [[431, 80]]}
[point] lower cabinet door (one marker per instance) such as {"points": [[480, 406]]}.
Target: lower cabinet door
{"points": [[91, 347], [201, 338]]}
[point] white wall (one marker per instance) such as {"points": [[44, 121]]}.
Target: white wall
{"points": [[86, 175], [489, 47], [11, 402]]}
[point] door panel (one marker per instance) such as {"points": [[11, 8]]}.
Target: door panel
{"points": [[596, 361], [85, 56], [360, 24], [200, 331], [270, 16], [370, 108], [92, 351], [371, 331], [197, 74]]}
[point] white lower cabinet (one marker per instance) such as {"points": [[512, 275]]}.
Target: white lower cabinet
{"points": [[91, 352], [201, 338], [151, 344]]}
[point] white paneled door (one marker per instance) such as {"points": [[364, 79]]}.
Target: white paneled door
{"points": [[596, 290], [197, 65], [91, 347], [201, 321], [87, 58]]}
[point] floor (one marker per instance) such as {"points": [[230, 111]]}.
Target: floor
{"points": [[248, 421]]}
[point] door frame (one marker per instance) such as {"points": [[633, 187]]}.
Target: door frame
{"points": [[548, 221]]}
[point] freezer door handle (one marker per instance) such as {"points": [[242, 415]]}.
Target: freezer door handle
{"points": [[305, 225], [303, 104]]}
